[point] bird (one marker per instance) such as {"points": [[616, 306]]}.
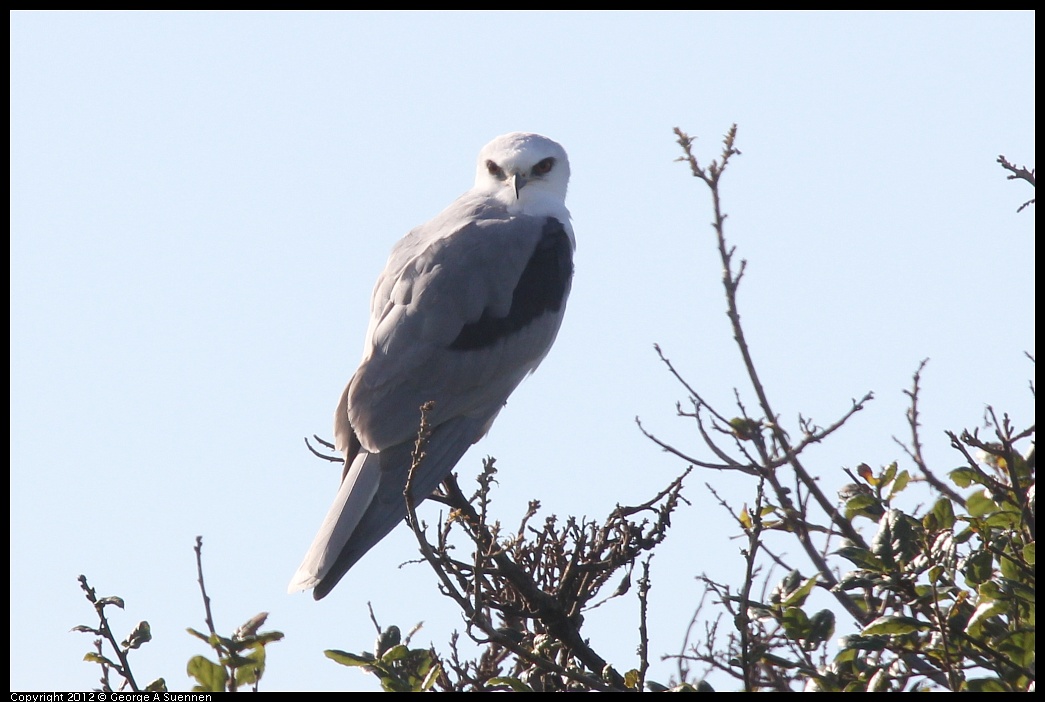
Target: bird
{"points": [[468, 305]]}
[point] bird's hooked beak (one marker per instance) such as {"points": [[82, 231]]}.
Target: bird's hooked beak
{"points": [[518, 181]]}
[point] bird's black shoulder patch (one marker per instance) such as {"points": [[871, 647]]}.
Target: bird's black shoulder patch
{"points": [[541, 288]]}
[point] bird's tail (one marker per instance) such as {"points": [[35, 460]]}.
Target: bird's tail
{"points": [[370, 502]]}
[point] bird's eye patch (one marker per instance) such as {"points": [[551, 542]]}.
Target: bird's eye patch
{"points": [[544, 166], [494, 169]]}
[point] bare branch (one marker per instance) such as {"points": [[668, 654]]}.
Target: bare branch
{"points": [[1020, 173]]}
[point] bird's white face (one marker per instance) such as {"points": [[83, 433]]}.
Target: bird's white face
{"points": [[529, 173]]}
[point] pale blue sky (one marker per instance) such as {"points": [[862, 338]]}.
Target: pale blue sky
{"points": [[201, 202]]}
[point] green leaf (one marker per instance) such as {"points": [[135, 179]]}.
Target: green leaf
{"points": [[199, 635], [247, 675], [216, 640], [395, 653], [942, 548], [896, 541], [421, 662], [157, 685], [943, 513], [392, 683], [993, 589], [795, 623], [515, 684], [854, 580], [631, 679], [1004, 519], [845, 655], [888, 474], [267, 637], [893, 624], [980, 503], [250, 668], [862, 505], [864, 643], [237, 660], [862, 558], [785, 587], [349, 659], [1009, 568], [142, 634], [98, 658], [799, 595], [899, 484], [1019, 648], [1028, 553], [985, 611], [209, 675], [964, 477], [431, 678], [745, 429], [1019, 590], [978, 568], [821, 627]]}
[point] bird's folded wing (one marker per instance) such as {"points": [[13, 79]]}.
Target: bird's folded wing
{"points": [[424, 300]]}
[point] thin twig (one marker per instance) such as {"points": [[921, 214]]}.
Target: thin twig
{"points": [[103, 628], [215, 640], [644, 588], [1018, 174], [915, 450]]}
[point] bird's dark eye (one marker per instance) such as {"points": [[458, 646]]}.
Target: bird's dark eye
{"points": [[494, 169], [544, 166]]}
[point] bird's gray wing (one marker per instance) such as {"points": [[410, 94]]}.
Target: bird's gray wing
{"points": [[467, 306], [460, 322]]}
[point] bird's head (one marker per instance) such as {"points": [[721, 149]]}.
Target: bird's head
{"points": [[529, 173]]}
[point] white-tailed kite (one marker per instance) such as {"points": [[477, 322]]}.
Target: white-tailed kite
{"points": [[467, 306]]}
